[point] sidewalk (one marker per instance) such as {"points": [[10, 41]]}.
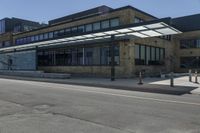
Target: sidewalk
{"points": [[153, 85]]}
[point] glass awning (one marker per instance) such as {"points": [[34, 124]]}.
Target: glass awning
{"points": [[154, 28]]}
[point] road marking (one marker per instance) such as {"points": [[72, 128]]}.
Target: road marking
{"points": [[34, 83]]}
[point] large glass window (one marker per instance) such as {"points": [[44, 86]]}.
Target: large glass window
{"points": [[2, 26], [67, 31], [97, 26], [81, 29], [105, 24], [61, 32], [55, 34], [60, 57], [32, 38], [114, 22], [148, 55], [74, 30], [36, 38], [88, 27], [190, 62], [46, 36], [190, 43], [41, 37], [77, 56], [50, 35]]}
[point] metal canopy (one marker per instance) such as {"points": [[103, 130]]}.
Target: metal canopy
{"points": [[142, 30]]}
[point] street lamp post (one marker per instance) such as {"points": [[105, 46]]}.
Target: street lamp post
{"points": [[112, 54]]}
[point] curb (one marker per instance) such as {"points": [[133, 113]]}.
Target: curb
{"points": [[136, 88]]}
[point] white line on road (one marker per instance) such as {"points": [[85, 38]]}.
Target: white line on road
{"points": [[34, 83]]}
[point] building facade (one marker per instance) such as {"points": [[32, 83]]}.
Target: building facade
{"points": [[94, 41]]}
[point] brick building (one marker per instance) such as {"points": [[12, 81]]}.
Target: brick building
{"points": [[102, 40]]}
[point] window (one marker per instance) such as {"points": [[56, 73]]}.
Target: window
{"points": [[81, 29], [60, 57], [46, 36], [190, 62], [67, 31], [41, 37], [28, 39], [74, 30], [2, 26], [80, 56], [157, 54], [105, 24], [148, 55], [36, 37], [32, 38], [61, 32], [88, 28], [24, 40], [77, 56], [55, 34], [97, 26], [138, 20], [88, 56], [114, 22], [190, 43], [50, 35]]}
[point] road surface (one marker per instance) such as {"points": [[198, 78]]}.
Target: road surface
{"points": [[37, 107]]}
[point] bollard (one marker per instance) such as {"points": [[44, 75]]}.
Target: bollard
{"points": [[140, 79], [172, 79], [196, 76], [190, 75]]}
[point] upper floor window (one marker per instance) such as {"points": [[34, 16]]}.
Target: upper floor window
{"points": [[41, 37], [81, 29], [114, 22], [46, 36], [50, 35], [88, 27], [190, 43], [32, 38], [67, 31], [77, 29], [138, 20], [61, 32], [97, 26], [74, 30], [105, 24]]}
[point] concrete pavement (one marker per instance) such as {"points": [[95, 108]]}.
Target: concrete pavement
{"points": [[39, 107], [153, 85]]}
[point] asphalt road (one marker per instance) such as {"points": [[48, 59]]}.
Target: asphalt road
{"points": [[36, 107]]}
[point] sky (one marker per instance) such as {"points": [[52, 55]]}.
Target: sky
{"points": [[45, 10]]}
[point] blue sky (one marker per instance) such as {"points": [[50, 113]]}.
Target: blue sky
{"points": [[44, 10]]}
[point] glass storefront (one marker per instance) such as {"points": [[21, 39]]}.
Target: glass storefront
{"points": [[83, 56]]}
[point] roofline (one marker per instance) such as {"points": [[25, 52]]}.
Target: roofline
{"points": [[50, 21], [136, 9], [114, 10]]}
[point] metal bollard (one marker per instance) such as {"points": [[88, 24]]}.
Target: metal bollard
{"points": [[172, 79], [140, 79], [190, 75], [196, 76]]}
